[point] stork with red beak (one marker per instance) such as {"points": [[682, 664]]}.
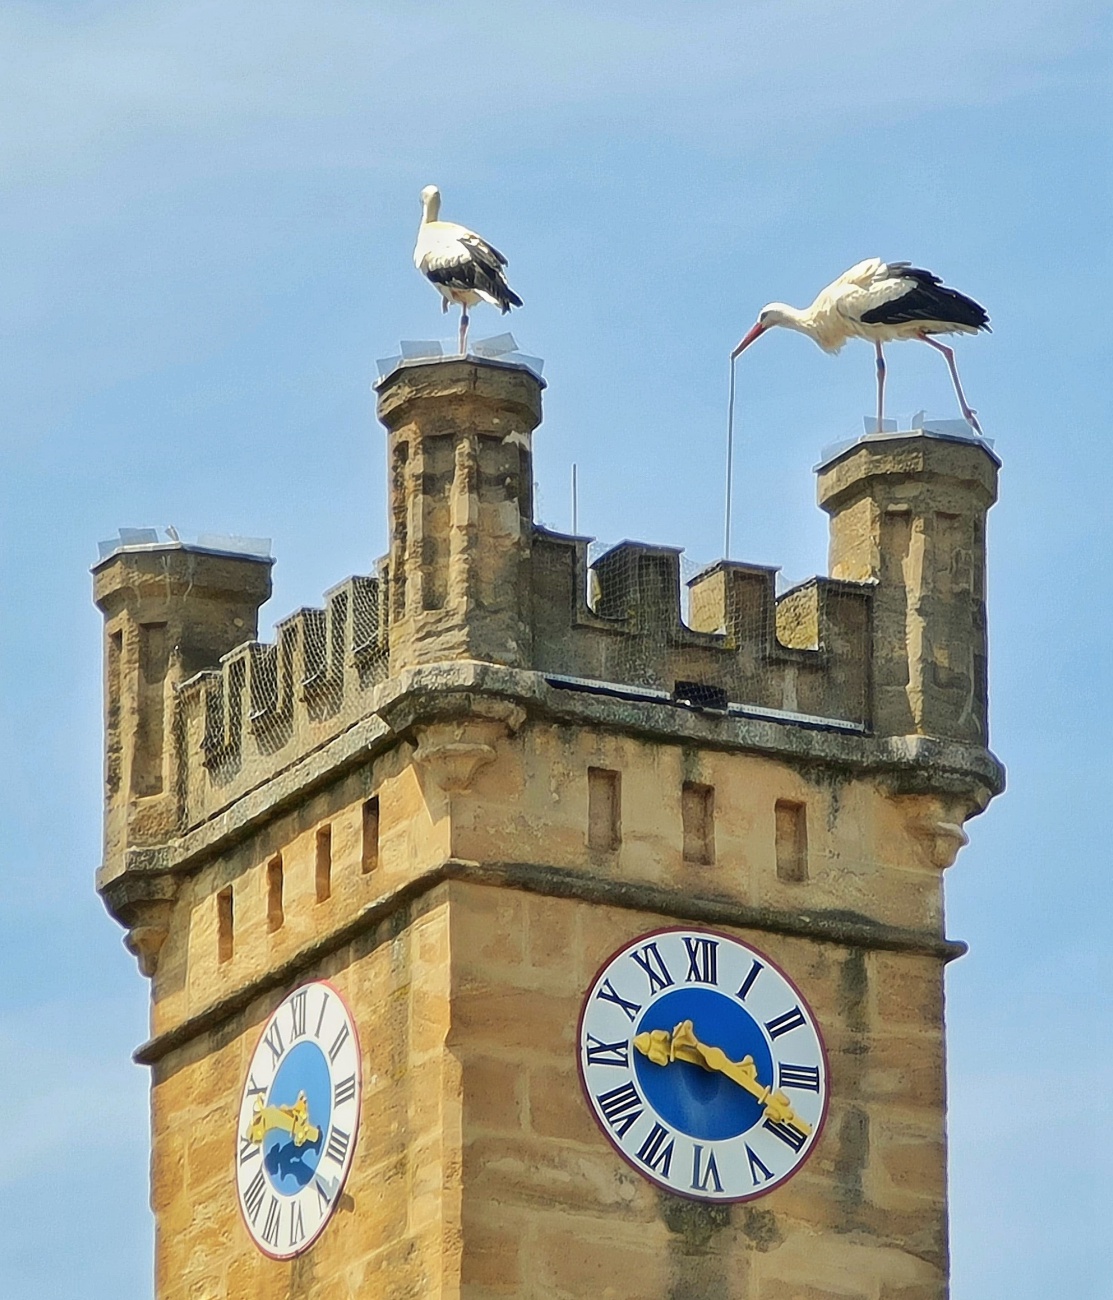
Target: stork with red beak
{"points": [[881, 302]]}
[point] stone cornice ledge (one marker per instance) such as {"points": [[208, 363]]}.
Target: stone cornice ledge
{"points": [[847, 929], [907, 764]]}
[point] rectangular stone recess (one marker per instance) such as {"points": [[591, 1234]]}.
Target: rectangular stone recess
{"points": [[154, 658], [604, 809], [322, 873], [697, 811], [370, 849], [224, 925], [275, 913], [792, 840], [113, 694]]}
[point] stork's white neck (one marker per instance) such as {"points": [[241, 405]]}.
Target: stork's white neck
{"points": [[430, 208]]}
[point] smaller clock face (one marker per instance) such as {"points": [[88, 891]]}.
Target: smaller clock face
{"points": [[703, 1064], [298, 1120]]}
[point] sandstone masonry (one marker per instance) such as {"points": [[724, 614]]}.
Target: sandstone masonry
{"points": [[417, 758]]}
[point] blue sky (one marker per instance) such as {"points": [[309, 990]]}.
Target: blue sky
{"points": [[207, 212]]}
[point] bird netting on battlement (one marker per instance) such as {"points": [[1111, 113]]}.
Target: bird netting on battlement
{"points": [[651, 617], [271, 701], [630, 615]]}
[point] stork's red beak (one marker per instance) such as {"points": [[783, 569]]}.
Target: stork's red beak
{"points": [[757, 330]]}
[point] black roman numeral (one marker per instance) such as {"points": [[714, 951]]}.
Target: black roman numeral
{"points": [[600, 1053], [344, 1091], [759, 1173], [273, 1039], [709, 1172], [321, 1017], [756, 967], [322, 1195], [253, 1196], [337, 1147], [253, 1089], [650, 960], [621, 1107], [249, 1150], [653, 1153], [297, 1229], [785, 1024], [297, 1014], [805, 1077], [338, 1042], [790, 1136], [607, 994], [273, 1222], [703, 960]]}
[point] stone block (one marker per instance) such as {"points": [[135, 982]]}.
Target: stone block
{"points": [[557, 1107], [571, 1265], [492, 1264], [494, 1095]]}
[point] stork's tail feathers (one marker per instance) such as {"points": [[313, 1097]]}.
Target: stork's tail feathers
{"points": [[509, 299]]}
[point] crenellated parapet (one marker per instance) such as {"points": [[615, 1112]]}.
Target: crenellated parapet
{"points": [[806, 652], [201, 714]]}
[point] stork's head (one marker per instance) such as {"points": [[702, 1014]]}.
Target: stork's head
{"points": [[773, 313], [431, 202]]}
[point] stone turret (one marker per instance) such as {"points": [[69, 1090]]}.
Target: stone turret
{"points": [[461, 510], [170, 610], [908, 514]]}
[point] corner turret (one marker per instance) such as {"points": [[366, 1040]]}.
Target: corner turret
{"points": [[461, 510], [170, 610], [908, 514]]}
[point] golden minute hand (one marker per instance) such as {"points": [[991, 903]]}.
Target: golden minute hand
{"points": [[682, 1045]]}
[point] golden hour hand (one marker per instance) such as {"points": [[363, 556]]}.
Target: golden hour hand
{"points": [[682, 1045], [289, 1119]]}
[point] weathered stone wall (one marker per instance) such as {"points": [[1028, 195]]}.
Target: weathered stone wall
{"points": [[392, 1235], [549, 1211], [476, 1151]]}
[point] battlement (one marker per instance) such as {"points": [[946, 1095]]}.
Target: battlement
{"points": [[200, 713]]}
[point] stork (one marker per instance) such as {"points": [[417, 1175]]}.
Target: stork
{"points": [[461, 265], [881, 301]]}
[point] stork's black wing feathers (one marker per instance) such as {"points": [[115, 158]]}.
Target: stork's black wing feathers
{"points": [[927, 299], [479, 267]]}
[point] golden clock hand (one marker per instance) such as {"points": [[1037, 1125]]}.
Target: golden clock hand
{"points": [[288, 1119], [661, 1047]]}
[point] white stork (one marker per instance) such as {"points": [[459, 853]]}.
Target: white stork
{"points": [[881, 301], [463, 267]]}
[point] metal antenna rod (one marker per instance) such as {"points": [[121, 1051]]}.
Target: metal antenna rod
{"points": [[730, 461], [575, 505]]}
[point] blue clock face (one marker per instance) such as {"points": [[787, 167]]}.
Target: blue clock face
{"points": [[298, 1120], [703, 1064]]}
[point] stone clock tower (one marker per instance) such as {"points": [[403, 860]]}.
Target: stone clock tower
{"points": [[513, 933]]}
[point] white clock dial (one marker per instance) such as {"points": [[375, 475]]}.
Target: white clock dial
{"points": [[298, 1120], [703, 1064]]}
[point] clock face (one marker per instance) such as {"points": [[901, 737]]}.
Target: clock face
{"points": [[703, 1064], [298, 1120]]}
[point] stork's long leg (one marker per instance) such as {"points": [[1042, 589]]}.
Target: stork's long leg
{"points": [[880, 386], [463, 329], [968, 412]]}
